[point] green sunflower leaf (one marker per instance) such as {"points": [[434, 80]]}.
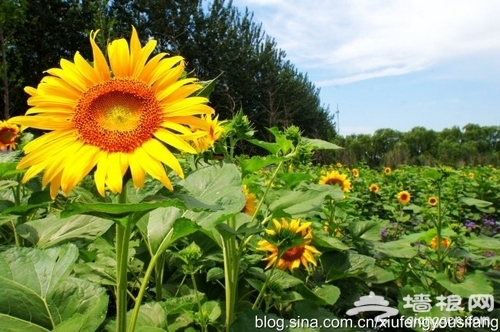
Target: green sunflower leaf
{"points": [[256, 163], [52, 231], [219, 186], [120, 213], [164, 226], [473, 284], [38, 294], [318, 144], [274, 148]]}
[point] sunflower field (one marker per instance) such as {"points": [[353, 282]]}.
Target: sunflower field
{"points": [[129, 209]]}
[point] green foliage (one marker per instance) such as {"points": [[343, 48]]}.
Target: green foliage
{"points": [[473, 145], [252, 72], [38, 292]]}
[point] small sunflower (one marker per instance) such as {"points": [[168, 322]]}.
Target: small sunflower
{"points": [[250, 203], [387, 170], [445, 242], [432, 201], [404, 197], [471, 175], [284, 232], [215, 130], [335, 178], [355, 172], [374, 188], [8, 134], [127, 114], [339, 165]]}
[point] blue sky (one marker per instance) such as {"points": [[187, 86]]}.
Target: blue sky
{"points": [[393, 64]]}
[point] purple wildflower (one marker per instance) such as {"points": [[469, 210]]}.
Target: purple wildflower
{"points": [[470, 224]]}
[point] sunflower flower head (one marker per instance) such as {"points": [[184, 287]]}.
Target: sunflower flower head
{"points": [[203, 142], [445, 242], [128, 113], [432, 201], [387, 170], [8, 135], [374, 188], [404, 197], [335, 178], [355, 172], [289, 245], [250, 202]]}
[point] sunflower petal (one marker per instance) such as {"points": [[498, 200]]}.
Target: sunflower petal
{"points": [[160, 152], [100, 64], [119, 58], [153, 167], [138, 173], [164, 71], [54, 185], [100, 174], [114, 179], [85, 68], [46, 152], [33, 171], [174, 87], [174, 140], [59, 161], [82, 163]]}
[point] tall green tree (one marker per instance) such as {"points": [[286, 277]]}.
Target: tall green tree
{"points": [[216, 39], [12, 14]]}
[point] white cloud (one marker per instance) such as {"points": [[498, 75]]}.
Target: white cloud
{"points": [[358, 40]]}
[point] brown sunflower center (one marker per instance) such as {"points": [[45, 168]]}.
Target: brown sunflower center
{"points": [[118, 115], [404, 197], [7, 135], [292, 254], [335, 181]]}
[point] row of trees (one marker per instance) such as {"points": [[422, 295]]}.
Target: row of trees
{"points": [[471, 145], [216, 39]]}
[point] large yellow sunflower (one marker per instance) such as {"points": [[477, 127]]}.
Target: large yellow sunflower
{"points": [[8, 135], [292, 257], [115, 117], [335, 177], [404, 197]]}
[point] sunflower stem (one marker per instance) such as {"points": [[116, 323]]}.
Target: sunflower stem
{"points": [[202, 315], [267, 191], [142, 290], [122, 245], [231, 267], [257, 302], [21, 220], [439, 227], [261, 201], [159, 277]]}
